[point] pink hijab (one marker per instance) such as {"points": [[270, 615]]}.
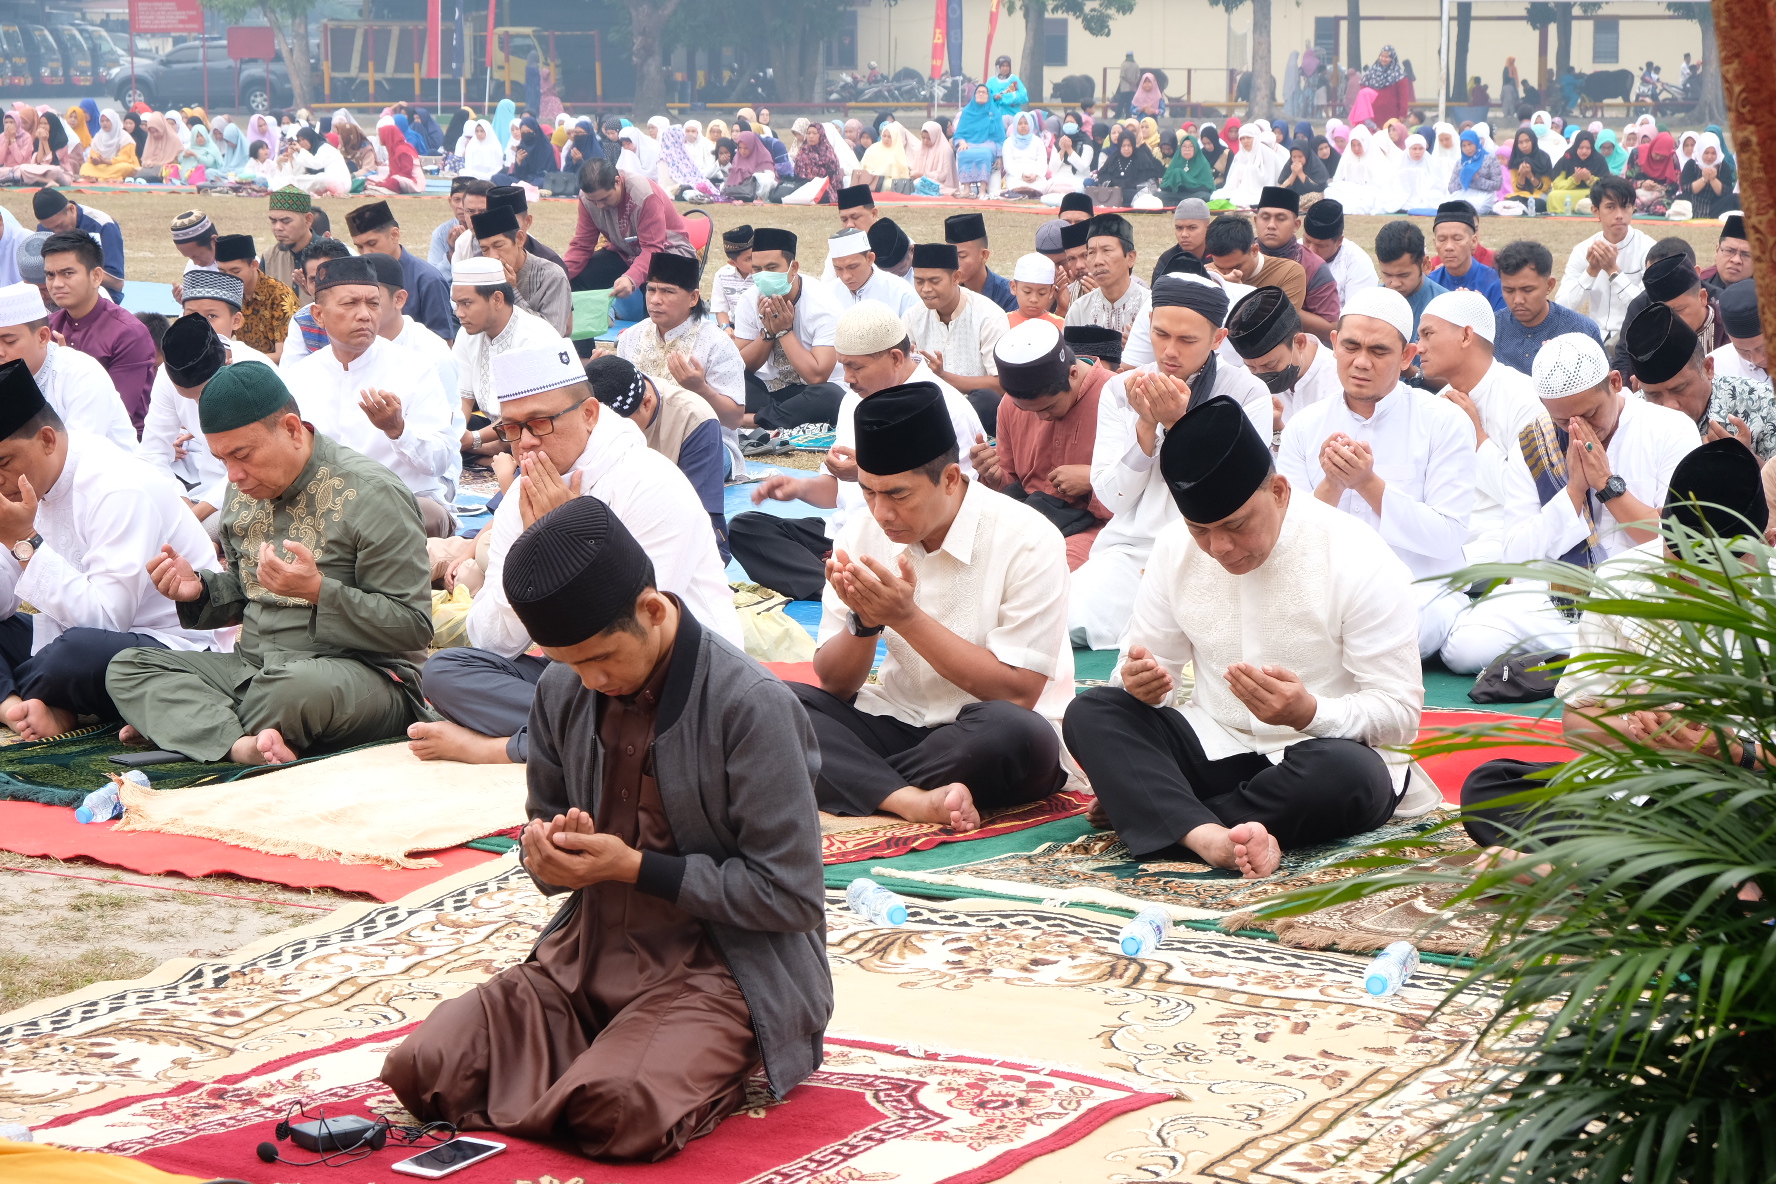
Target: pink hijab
{"points": [[938, 161]]}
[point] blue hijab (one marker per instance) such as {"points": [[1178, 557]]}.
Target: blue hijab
{"points": [[233, 144], [979, 123], [1470, 165], [409, 134], [503, 115]]}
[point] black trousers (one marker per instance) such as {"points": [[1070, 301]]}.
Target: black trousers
{"points": [[793, 405], [601, 271], [1005, 754], [986, 405], [786, 555], [1501, 779], [69, 672], [1149, 771], [485, 692]]}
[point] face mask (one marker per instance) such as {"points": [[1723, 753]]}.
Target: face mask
{"points": [[1072, 129], [771, 283], [1279, 381]]}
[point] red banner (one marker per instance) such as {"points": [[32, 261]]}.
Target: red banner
{"points": [[434, 52], [940, 38], [492, 15], [987, 70], [166, 16]]}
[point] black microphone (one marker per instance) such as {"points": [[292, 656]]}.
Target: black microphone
{"points": [[268, 1152]]}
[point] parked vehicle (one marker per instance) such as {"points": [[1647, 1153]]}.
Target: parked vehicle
{"points": [[107, 54], [46, 58], [176, 79], [77, 58], [15, 61]]}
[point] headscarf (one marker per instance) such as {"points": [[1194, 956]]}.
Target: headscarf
{"points": [[977, 124], [482, 158], [1470, 165], [676, 162], [1721, 135], [698, 148], [660, 124], [1379, 76], [202, 150], [716, 132], [503, 115], [539, 154], [631, 159], [887, 156], [401, 156], [76, 118], [1150, 132], [259, 127], [1547, 139], [233, 145], [938, 161], [91, 107], [1444, 159], [1681, 157], [1615, 160], [752, 157], [162, 146], [815, 157], [27, 118], [1211, 144], [1484, 131], [138, 134], [1363, 164], [1331, 161], [109, 138], [1657, 159], [460, 123], [1571, 162], [1539, 164], [430, 134], [1195, 173], [1723, 164], [1025, 141], [408, 133], [835, 136], [1147, 95], [1315, 168]]}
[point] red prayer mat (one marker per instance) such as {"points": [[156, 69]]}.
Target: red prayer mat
{"points": [[896, 837], [873, 1112], [28, 828], [1451, 769]]}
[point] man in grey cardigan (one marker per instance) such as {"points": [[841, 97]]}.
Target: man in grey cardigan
{"points": [[672, 793]]}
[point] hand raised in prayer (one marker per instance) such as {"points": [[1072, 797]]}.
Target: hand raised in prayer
{"points": [[1273, 694], [173, 577], [299, 577], [1348, 462], [1071, 480], [841, 462], [778, 487], [1734, 429], [777, 313], [877, 595], [18, 519], [1144, 678], [1463, 400], [384, 410], [1593, 466], [456, 232], [541, 489], [985, 459], [568, 851], [686, 371], [179, 445], [1600, 256], [1159, 399]]}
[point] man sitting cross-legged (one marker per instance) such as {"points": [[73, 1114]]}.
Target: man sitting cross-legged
{"points": [[325, 572], [971, 588], [670, 795], [568, 444], [80, 518], [1303, 634]]}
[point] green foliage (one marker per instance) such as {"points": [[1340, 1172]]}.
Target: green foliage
{"points": [[1635, 1031], [1094, 16]]}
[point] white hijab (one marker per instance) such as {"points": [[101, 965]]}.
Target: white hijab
{"points": [[1422, 182], [107, 143], [835, 135], [641, 152], [1368, 167], [1683, 157], [482, 158], [1444, 159], [1250, 170]]}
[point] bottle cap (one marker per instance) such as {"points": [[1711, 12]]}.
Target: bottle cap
{"points": [[897, 914], [1131, 945]]}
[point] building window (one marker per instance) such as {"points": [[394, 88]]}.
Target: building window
{"points": [[1054, 48], [841, 48], [1326, 37], [1606, 41]]}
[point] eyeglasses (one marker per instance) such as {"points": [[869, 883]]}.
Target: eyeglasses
{"points": [[510, 432], [1733, 253]]}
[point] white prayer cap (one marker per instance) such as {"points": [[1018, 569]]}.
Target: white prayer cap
{"points": [[1384, 304], [851, 242], [526, 372], [1034, 269], [868, 327], [1463, 307], [473, 273], [1568, 365], [20, 304]]}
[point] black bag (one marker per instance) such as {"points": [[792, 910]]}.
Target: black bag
{"points": [[1515, 678], [561, 184], [745, 190], [1069, 520]]}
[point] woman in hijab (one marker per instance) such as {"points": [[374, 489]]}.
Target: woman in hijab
{"points": [[533, 157], [195, 163], [641, 151], [402, 174], [359, 153], [751, 163], [483, 158], [16, 144], [1304, 173], [112, 155], [816, 160], [1546, 136], [461, 124], [1366, 181], [1477, 176], [409, 133], [699, 148], [680, 174], [979, 134], [1445, 150], [609, 128], [1148, 98], [136, 131], [1654, 174], [49, 149], [1708, 179], [1393, 90], [430, 134], [1609, 148], [503, 117], [1574, 172], [1149, 129], [1025, 160], [582, 145], [930, 156], [781, 164], [1188, 174], [1129, 165], [1686, 150], [91, 109], [1213, 149], [1247, 174], [1421, 185], [1531, 172], [886, 159], [1070, 162]]}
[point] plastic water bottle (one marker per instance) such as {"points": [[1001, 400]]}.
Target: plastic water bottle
{"points": [[869, 899], [103, 805], [1143, 935], [15, 1133], [1391, 968]]}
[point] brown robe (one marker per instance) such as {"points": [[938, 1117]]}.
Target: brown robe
{"points": [[625, 1033]]}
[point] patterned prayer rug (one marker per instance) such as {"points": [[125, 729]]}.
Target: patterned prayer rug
{"points": [[856, 839]]}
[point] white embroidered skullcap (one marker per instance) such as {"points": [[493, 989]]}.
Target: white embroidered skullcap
{"points": [[20, 304], [850, 242], [476, 272], [1568, 365], [1464, 307], [868, 327], [1034, 269], [204, 284], [1384, 304], [526, 372]]}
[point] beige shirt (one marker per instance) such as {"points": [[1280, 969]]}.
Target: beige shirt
{"points": [[967, 342]]}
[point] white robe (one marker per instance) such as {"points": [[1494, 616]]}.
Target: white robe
{"points": [[880, 287], [76, 385], [1365, 182], [169, 414], [1247, 176], [328, 394]]}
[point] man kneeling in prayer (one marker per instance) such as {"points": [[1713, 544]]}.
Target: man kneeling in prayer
{"points": [[971, 588], [324, 570], [671, 792], [1265, 756]]}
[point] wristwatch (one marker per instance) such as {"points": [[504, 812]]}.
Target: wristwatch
{"points": [[1614, 488], [858, 629], [25, 548]]}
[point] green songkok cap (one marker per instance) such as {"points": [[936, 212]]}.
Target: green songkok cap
{"points": [[243, 393]]}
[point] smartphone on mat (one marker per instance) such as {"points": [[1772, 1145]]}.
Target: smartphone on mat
{"points": [[137, 760], [449, 1157]]}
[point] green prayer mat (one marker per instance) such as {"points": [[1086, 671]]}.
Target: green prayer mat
{"points": [[1093, 666], [1018, 842], [498, 844]]}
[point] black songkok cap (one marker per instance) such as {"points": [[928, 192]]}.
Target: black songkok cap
{"points": [[889, 242], [1032, 359], [352, 269], [47, 203], [617, 383], [770, 238], [192, 350], [387, 269], [965, 228], [736, 240], [1456, 211], [21, 400], [1734, 227], [901, 428], [1325, 219], [852, 196], [1660, 343], [494, 220], [681, 271], [1182, 262], [460, 184], [1739, 310], [510, 196], [1261, 321], [1201, 296], [1213, 461], [1111, 226], [942, 255], [1275, 197], [1670, 277], [364, 219], [1080, 202], [1724, 476], [230, 247], [1094, 341], [1076, 234], [576, 570]]}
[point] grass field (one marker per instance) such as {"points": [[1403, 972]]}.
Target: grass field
{"points": [[1011, 228]]}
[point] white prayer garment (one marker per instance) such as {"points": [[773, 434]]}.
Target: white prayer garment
{"points": [[328, 392]]}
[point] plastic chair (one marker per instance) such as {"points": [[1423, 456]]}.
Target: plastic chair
{"points": [[701, 229]]}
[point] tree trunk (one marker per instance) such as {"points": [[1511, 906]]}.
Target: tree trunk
{"points": [[648, 21], [1712, 106], [293, 44], [1353, 38], [1541, 68], [1262, 82], [1464, 25], [1035, 48], [790, 64]]}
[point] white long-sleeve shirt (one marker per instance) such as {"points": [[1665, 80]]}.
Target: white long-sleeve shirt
{"points": [[1353, 270], [82, 394], [105, 517], [1603, 297], [169, 414], [659, 507], [1507, 402], [327, 390], [1648, 442], [475, 352], [1331, 604], [1424, 452], [881, 287]]}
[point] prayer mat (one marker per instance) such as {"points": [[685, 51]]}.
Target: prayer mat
{"points": [[373, 805], [1520, 739], [62, 771], [1446, 690], [882, 837]]}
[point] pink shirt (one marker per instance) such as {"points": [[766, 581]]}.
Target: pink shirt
{"points": [[645, 214]]}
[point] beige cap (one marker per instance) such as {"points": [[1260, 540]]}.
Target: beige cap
{"points": [[868, 327]]}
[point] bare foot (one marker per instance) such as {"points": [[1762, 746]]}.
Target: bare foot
{"points": [[39, 721], [12, 710], [266, 748], [1097, 816], [1248, 848], [129, 735], [445, 741], [948, 805]]}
